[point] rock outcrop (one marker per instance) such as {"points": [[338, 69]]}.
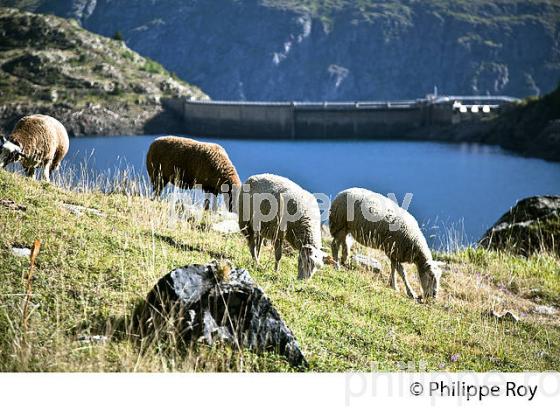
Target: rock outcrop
{"points": [[532, 225], [217, 303], [92, 84]]}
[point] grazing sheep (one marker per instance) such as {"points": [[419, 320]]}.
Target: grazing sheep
{"points": [[376, 221], [276, 208], [36, 141], [186, 163]]}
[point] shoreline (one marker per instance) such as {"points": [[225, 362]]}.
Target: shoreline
{"points": [[157, 119]]}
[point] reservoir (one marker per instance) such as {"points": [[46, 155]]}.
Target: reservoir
{"points": [[458, 190]]}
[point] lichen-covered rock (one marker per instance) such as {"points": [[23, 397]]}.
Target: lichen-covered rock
{"points": [[532, 225], [217, 302], [368, 262]]}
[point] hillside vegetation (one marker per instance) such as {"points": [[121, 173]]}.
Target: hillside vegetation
{"points": [[484, 11], [531, 127], [91, 83], [94, 268]]}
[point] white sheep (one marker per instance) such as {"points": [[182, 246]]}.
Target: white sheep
{"points": [[376, 221], [275, 208], [36, 141]]}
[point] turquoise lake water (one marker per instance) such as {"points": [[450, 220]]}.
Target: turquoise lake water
{"points": [[460, 188]]}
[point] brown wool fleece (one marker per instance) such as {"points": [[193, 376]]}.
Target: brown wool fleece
{"points": [[172, 159], [42, 139]]}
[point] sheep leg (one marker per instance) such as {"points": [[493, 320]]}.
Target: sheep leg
{"points": [[252, 246], [58, 157], [158, 183], [207, 199], [346, 245], [258, 245], [278, 250], [334, 249], [409, 290], [253, 250], [249, 234], [338, 238], [393, 280], [47, 172], [30, 172]]}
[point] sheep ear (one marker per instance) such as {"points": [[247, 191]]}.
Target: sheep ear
{"points": [[14, 147]]}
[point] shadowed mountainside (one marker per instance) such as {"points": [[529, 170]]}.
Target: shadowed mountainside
{"points": [[351, 50]]}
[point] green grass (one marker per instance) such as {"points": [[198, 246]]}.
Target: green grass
{"points": [[92, 269], [153, 67]]}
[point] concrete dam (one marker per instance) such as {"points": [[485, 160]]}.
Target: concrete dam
{"points": [[329, 120]]}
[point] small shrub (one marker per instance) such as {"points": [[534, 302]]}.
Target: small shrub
{"points": [[128, 55], [477, 256], [118, 36], [152, 67]]}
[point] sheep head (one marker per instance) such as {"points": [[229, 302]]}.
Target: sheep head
{"points": [[430, 275], [310, 259], [9, 152]]}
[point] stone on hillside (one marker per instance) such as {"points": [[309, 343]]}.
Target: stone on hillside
{"points": [[217, 302], [506, 316], [545, 310], [368, 262], [78, 210], [510, 317], [93, 339], [532, 225], [11, 205], [226, 227], [21, 252]]}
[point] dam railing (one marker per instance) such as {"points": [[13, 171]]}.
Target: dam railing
{"points": [[324, 120]]}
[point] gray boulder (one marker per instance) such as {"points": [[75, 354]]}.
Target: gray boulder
{"points": [[217, 303], [532, 225]]}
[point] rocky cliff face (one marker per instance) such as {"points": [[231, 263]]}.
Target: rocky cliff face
{"points": [[339, 49], [93, 84]]}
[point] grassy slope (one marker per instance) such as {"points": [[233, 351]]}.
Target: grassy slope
{"points": [[92, 268]]}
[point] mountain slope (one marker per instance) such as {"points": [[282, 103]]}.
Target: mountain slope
{"points": [[93, 84], [337, 49]]}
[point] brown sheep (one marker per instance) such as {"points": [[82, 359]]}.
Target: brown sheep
{"points": [[185, 162], [36, 141]]}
